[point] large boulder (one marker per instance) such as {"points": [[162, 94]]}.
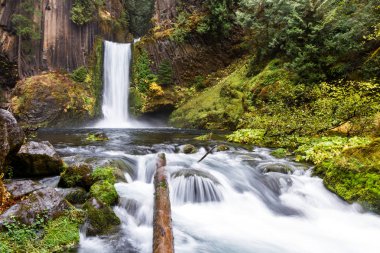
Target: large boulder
{"points": [[42, 202], [37, 159], [11, 137]]}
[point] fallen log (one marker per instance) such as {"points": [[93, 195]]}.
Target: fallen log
{"points": [[163, 240]]}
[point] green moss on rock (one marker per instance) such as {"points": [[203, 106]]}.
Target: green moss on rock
{"points": [[101, 218], [105, 192], [77, 175]]}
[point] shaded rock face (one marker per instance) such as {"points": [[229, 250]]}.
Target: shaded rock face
{"points": [[197, 57], [37, 159], [45, 201], [11, 137], [75, 195]]}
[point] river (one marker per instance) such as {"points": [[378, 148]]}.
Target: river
{"points": [[232, 201]]}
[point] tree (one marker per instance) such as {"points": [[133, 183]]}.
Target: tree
{"points": [[24, 26], [319, 39], [165, 73]]}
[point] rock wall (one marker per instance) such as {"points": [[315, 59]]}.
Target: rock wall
{"points": [[63, 45]]}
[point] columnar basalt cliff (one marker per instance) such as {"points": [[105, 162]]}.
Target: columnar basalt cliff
{"points": [[62, 44]]}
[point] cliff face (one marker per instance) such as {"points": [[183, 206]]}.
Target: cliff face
{"points": [[63, 45]]}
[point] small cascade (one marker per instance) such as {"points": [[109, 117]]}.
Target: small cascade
{"points": [[195, 186]]}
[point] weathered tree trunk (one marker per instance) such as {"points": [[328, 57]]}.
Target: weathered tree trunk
{"points": [[19, 57], [163, 241]]}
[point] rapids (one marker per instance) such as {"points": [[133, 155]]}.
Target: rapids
{"points": [[232, 201]]}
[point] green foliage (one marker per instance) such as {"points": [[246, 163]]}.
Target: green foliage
{"points": [[139, 15], [83, 11], [42, 236], [23, 21], [317, 38], [79, 75], [105, 192], [142, 73], [354, 174], [247, 136], [165, 73], [280, 153], [324, 148], [220, 18]]}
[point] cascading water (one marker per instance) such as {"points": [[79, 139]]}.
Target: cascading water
{"points": [[237, 201], [116, 80]]}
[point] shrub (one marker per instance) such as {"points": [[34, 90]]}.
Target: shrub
{"points": [[79, 75]]}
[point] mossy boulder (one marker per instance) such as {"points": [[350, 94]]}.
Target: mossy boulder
{"points": [[75, 195], [37, 159], [100, 218], [189, 149], [105, 192], [52, 99], [11, 137], [46, 201], [77, 175], [109, 173]]}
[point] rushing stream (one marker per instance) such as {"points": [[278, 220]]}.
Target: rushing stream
{"points": [[231, 202]]}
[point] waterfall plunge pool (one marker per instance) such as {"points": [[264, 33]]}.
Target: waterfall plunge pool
{"points": [[226, 203]]}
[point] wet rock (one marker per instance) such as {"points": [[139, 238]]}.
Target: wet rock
{"points": [[19, 188], [45, 201], [75, 195], [50, 181], [11, 137], [278, 168], [97, 136], [76, 175], [193, 172], [37, 159], [189, 149], [101, 219], [222, 147]]}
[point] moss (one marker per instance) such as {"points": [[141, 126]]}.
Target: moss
{"points": [[62, 233], [104, 173], [52, 99], [105, 192], [76, 175], [58, 235], [101, 218], [99, 136], [217, 107]]}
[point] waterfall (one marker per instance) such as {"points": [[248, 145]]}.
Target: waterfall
{"points": [[116, 83]]}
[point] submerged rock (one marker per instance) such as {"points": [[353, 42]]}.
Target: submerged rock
{"points": [[101, 218], [76, 175], [222, 147], [37, 159], [189, 149], [11, 137], [276, 167], [42, 202], [97, 136]]}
